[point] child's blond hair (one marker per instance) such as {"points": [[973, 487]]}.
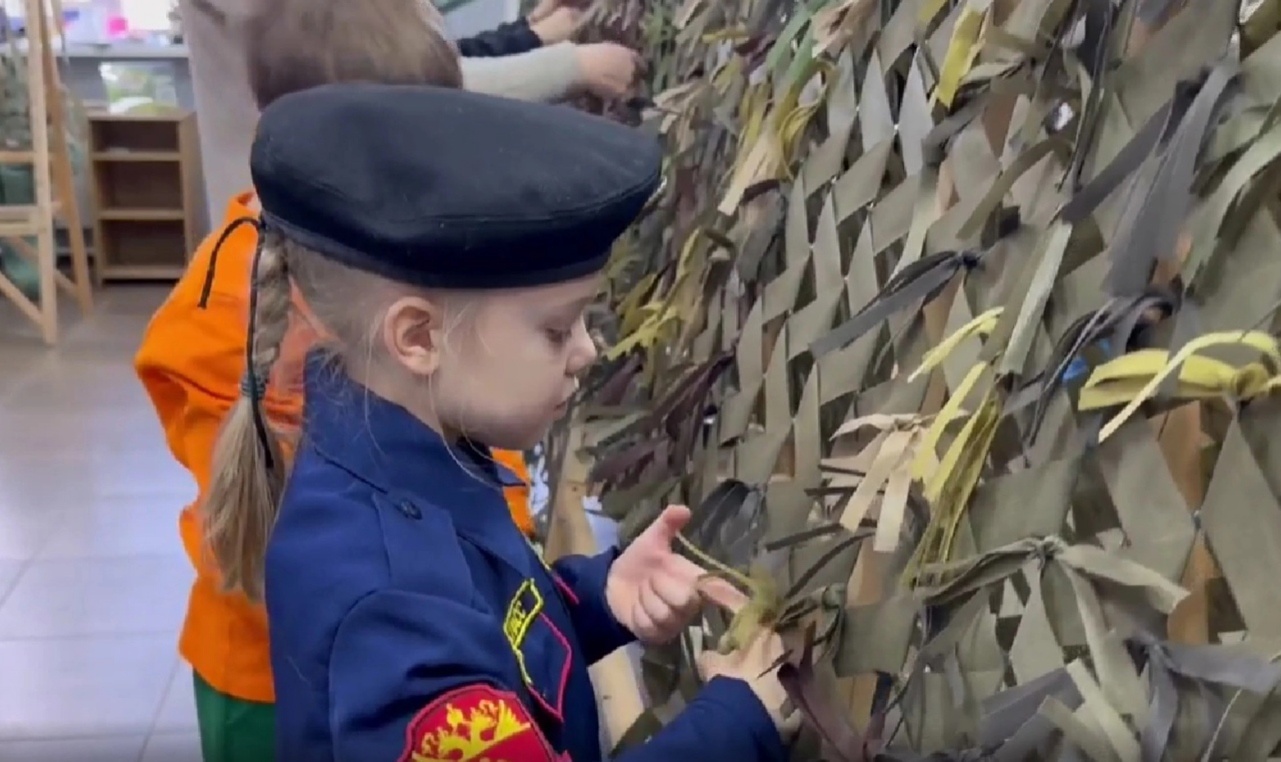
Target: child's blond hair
{"points": [[337, 311], [249, 469]]}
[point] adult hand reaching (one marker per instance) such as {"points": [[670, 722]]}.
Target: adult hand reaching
{"points": [[557, 26], [547, 7], [609, 70]]}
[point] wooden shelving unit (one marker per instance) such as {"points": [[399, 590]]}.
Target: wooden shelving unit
{"points": [[148, 193]]}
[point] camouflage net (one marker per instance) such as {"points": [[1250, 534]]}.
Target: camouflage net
{"points": [[956, 322]]}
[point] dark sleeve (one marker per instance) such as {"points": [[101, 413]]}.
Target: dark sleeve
{"points": [[503, 40], [408, 672], [584, 578], [725, 717]]}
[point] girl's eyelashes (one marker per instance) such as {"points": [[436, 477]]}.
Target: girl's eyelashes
{"points": [[562, 334]]}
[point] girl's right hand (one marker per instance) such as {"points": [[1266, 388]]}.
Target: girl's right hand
{"points": [[752, 664]]}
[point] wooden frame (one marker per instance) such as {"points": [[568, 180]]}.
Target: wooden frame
{"points": [[55, 195]]}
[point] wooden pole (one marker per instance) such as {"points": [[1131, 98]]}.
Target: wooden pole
{"points": [[618, 691]]}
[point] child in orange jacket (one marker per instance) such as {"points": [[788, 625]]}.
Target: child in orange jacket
{"points": [[192, 355]]}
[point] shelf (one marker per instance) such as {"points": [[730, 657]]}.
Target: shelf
{"points": [[147, 191], [124, 154], [115, 51], [138, 185], [123, 132], [163, 113], [142, 249], [122, 214], [141, 272]]}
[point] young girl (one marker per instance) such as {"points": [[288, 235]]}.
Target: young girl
{"points": [[190, 359], [409, 618]]}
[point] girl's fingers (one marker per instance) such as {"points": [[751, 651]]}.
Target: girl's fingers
{"points": [[683, 569], [642, 624], [678, 593], [722, 593], [650, 602]]}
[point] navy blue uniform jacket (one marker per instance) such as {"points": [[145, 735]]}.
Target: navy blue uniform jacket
{"points": [[410, 619]]}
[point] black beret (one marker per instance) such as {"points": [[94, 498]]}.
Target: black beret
{"points": [[449, 189]]}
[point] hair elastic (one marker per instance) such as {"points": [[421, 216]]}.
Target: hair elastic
{"points": [[253, 387]]}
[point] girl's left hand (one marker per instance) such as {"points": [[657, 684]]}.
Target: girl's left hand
{"points": [[656, 593]]}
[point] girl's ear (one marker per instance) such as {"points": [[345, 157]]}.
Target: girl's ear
{"points": [[414, 334]]}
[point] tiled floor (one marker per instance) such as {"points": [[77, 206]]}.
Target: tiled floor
{"points": [[93, 582]]}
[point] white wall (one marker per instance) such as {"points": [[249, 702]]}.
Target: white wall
{"points": [[479, 15]]}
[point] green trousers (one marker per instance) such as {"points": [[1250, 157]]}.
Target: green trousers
{"points": [[232, 730]]}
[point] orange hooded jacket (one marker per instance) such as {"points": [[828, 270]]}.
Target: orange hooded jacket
{"points": [[190, 362]]}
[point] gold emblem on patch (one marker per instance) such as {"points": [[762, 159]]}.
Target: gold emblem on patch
{"points": [[525, 606], [476, 724]]}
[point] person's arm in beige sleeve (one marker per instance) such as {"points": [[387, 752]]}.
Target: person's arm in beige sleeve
{"points": [[228, 112], [554, 72]]}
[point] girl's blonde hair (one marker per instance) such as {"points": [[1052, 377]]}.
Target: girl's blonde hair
{"points": [[339, 308], [249, 469]]}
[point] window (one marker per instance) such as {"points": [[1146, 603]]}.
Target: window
{"points": [[146, 15]]}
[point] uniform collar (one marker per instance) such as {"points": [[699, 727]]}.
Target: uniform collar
{"points": [[386, 446]]}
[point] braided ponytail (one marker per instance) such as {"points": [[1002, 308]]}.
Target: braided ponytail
{"points": [[248, 464]]}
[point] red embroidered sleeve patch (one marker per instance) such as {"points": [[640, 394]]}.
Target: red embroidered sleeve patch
{"points": [[474, 723]]}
